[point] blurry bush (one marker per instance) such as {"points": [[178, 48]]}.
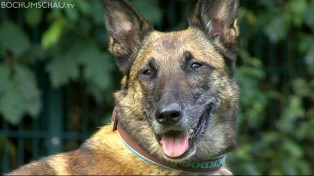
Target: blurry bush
{"points": [[71, 48], [276, 119]]}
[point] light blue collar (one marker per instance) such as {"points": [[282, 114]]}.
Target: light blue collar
{"points": [[212, 165]]}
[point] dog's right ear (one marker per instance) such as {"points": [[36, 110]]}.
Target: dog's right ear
{"points": [[126, 29]]}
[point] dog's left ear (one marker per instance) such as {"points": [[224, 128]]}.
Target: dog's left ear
{"points": [[218, 18]]}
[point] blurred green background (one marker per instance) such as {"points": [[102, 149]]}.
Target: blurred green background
{"points": [[57, 80]]}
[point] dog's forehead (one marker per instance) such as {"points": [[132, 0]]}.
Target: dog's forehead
{"points": [[171, 46], [176, 41]]}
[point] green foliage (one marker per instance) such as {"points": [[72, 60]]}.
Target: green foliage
{"points": [[52, 35], [275, 127], [72, 48], [150, 10], [277, 28], [19, 93], [12, 38], [33, 16], [252, 99]]}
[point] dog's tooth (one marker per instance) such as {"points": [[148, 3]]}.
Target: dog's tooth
{"points": [[191, 131]]}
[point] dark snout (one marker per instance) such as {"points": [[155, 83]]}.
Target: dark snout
{"points": [[169, 110], [169, 114]]}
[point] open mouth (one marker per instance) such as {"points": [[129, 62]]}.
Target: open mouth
{"points": [[176, 144]]}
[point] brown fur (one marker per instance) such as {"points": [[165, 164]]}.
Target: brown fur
{"points": [[193, 68]]}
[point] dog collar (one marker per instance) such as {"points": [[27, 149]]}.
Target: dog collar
{"points": [[211, 165]]}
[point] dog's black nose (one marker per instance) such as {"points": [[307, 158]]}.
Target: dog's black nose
{"points": [[169, 115]]}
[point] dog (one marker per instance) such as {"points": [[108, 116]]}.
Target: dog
{"points": [[176, 111]]}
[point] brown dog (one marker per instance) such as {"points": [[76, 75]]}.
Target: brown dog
{"points": [[176, 110]]}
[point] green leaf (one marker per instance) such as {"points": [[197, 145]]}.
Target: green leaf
{"points": [[33, 16], [34, 54], [12, 38], [251, 169], [72, 14], [298, 8], [97, 10], [268, 4], [149, 9], [291, 113], [301, 87], [308, 16], [288, 168], [295, 108], [250, 17], [277, 28], [97, 70], [270, 137], [52, 35], [4, 77], [27, 88], [61, 70], [83, 6], [97, 73], [10, 104], [304, 167], [20, 95], [309, 60]]}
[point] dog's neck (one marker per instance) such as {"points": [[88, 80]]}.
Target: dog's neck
{"points": [[209, 166]]}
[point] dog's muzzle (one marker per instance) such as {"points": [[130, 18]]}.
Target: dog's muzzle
{"points": [[178, 143]]}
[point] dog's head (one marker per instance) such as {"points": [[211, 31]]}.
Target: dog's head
{"points": [[179, 97]]}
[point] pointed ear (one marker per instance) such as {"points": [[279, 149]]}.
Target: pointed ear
{"points": [[126, 30], [218, 18]]}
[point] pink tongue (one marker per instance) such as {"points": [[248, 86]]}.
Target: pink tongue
{"points": [[175, 143]]}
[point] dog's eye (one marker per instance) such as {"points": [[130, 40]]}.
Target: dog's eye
{"points": [[147, 72], [196, 65]]}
